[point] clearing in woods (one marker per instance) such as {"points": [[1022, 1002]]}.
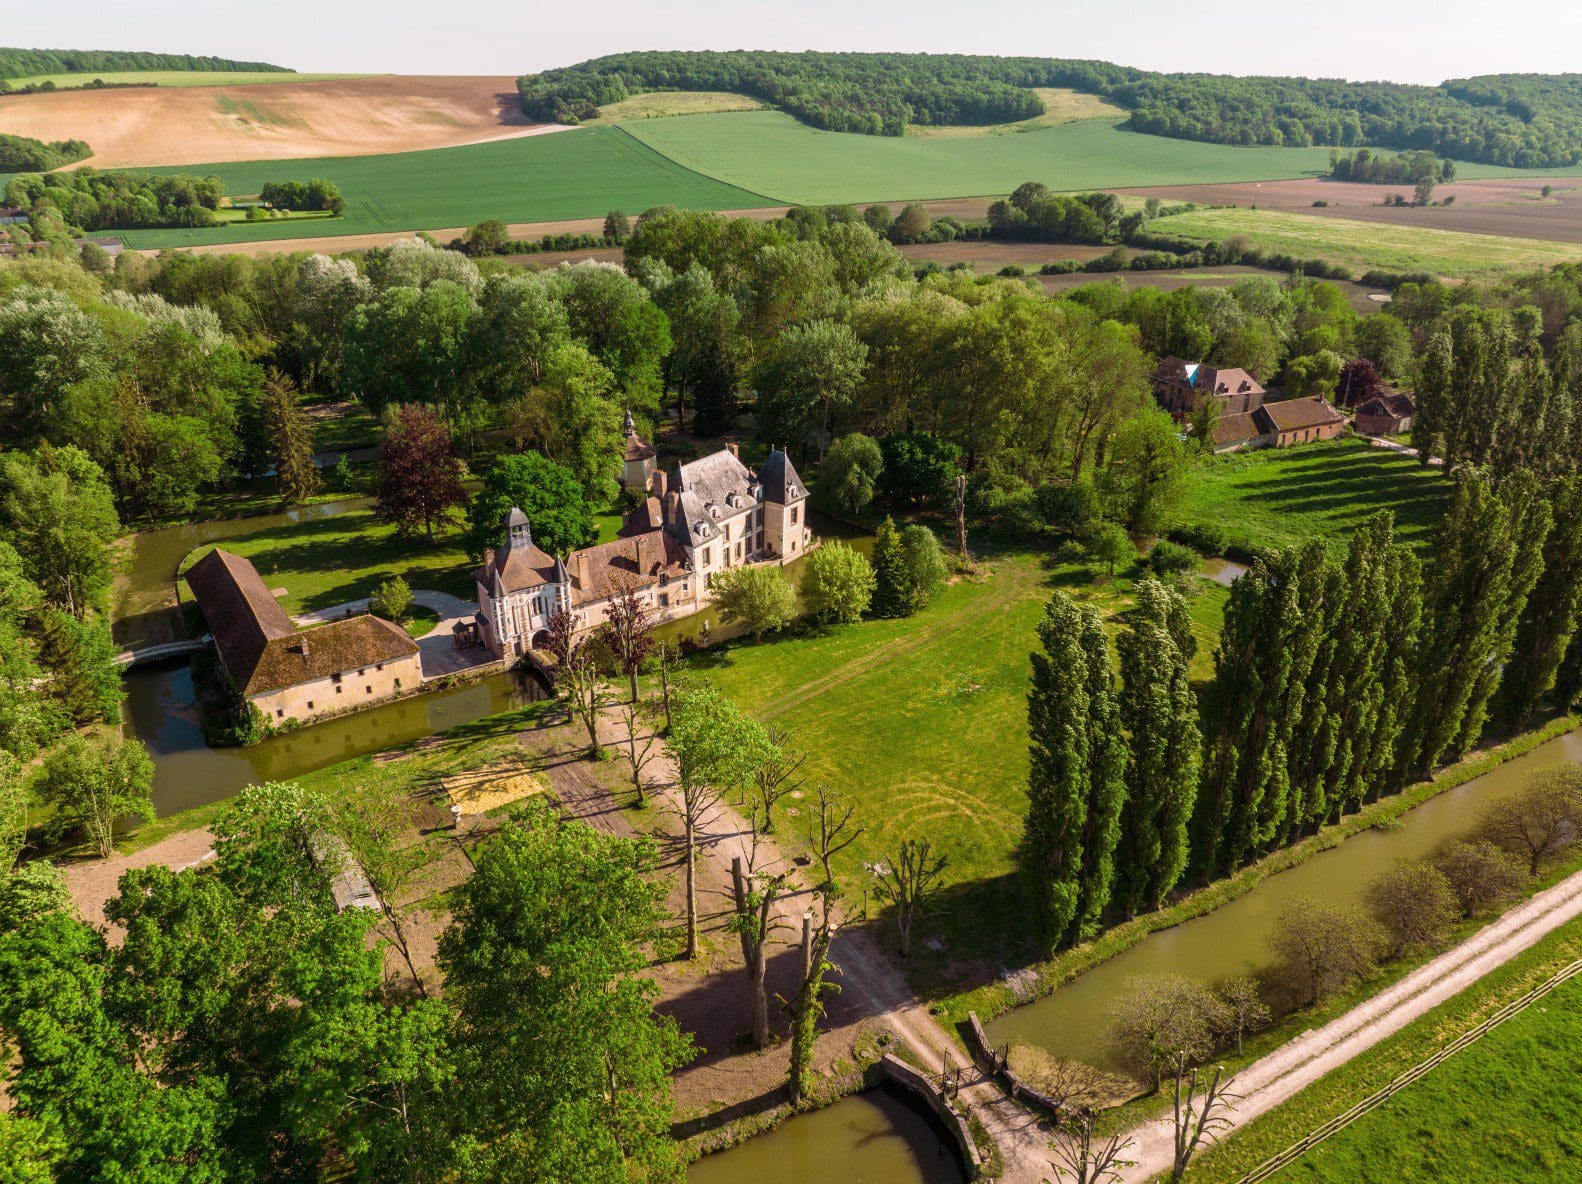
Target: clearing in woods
{"points": [[1060, 106], [292, 118], [664, 103]]}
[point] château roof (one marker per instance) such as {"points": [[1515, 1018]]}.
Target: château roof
{"points": [[513, 568], [780, 481], [637, 560]]}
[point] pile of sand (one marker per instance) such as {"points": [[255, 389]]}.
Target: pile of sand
{"points": [[205, 124], [480, 790]]}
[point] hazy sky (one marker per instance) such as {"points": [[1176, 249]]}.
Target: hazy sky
{"points": [[1424, 41]]}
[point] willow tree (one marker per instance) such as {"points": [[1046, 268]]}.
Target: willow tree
{"points": [[1160, 716], [1075, 784]]}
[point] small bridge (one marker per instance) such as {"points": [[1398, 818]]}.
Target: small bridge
{"points": [[154, 653]]}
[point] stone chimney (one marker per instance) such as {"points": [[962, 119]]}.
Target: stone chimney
{"points": [[735, 451], [488, 556], [659, 483]]}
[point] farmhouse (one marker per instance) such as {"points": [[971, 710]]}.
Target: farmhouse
{"points": [[1278, 425], [1179, 385], [288, 673], [1385, 415], [715, 514]]}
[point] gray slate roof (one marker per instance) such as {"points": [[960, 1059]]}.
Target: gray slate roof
{"points": [[781, 483]]}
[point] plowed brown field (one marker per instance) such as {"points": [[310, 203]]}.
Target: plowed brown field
{"points": [[1505, 206], [201, 124]]}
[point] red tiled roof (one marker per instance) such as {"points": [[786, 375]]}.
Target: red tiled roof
{"points": [[1291, 415], [637, 560], [1237, 429]]}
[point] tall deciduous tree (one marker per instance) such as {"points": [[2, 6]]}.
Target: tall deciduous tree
{"points": [[837, 583], [94, 782], [892, 595], [59, 515], [1076, 784], [1159, 712], [809, 377], [547, 493], [757, 597], [419, 472], [563, 1067], [628, 632]]}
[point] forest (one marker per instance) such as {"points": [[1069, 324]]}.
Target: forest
{"points": [[1525, 121], [24, 154], [25, 63]]}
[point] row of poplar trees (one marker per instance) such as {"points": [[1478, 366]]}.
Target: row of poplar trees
{"points": [[1337, 678]]}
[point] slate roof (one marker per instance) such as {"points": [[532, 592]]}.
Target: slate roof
{"points": [[1295, 414], [715, 479], [779, 478], [639, 560], [260, 647]]}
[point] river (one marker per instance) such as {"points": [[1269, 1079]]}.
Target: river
{"points": [[870, 1138], [1072, 1022]]}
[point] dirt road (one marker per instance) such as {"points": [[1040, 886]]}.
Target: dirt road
{"points": [[1264, 1084]]}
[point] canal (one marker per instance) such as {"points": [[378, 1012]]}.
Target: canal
{"points": [[1072, 1023]]}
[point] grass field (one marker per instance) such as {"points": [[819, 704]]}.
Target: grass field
{"points": [[771, 153], [329, 561], [181, 78], [1364, 245], [579, 173], [664, 103], [1275, 498], [1507, 1110], [1060, 106]]}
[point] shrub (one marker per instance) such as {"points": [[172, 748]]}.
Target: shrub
{"points": [[1208, 538], [837, 583], [1169, 559], [392, 600]]}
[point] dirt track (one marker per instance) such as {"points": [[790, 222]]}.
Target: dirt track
{"points": [[1264, 1084], [1506, 206], [203, 124]]}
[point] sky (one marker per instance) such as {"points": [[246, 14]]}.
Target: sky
{"points": [[1425, 41]]}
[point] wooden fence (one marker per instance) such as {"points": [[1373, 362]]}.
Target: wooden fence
{"points": [[1373, 1101]]}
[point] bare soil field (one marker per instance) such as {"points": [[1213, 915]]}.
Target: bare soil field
{"points": [[282, 121], [1503, 206], [1362, 298]]}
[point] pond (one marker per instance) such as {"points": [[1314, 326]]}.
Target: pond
{"points": [[877, 1137], [1072, 1022]]}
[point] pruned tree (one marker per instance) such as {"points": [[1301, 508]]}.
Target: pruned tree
{"points": [[639, 750], [831, 832], [628, 633], [1083, 1157], [1481, 874], [1541, 819], [1322, 947], [1414, 903], [906, 883], [577, 673], [1162, 1022], [754, 922], [1245, 1011], [807, 1008], [665, 666], [1200, 1110], [774, 775]]}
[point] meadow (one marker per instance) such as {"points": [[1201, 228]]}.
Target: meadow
{"points": [[584, 172], [180, 78], [1366, 245], [1277, 498]]}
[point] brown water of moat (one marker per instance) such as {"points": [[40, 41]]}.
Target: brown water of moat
{"points": [[1072, 1023], [871, 1138]]}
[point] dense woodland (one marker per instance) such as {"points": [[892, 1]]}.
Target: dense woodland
{"points": [[24, 154], [1528, 121], [25, 63], [65, 205]]}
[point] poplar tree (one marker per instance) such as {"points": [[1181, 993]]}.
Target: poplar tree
{"points": [[290, 439], [1552, 613], [1159, 713], [1074, 784], [1486, 556]]}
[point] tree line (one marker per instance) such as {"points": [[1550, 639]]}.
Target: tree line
{"points": [[24, 154], [25, 63], [64, 205], [1526, 121]]}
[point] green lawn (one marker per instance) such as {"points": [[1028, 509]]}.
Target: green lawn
{"points": [[921, 725], [181, 77], [1366, 245], [769, 152], [1275, 498], [581, 173], [1507, 1110], [329, 561]]}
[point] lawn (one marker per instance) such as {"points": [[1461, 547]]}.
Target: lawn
{"points": [[771, 153], [581, 173], [329, 561], [1506, 1110], [181, 77], [665, 103], [1366, 245], [921, 725], [1275, 498]]}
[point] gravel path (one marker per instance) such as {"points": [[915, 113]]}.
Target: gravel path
{"points": [[92, 882], [1265, 1084]]}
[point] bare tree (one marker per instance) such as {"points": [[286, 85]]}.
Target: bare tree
{"points": [[577, 673], [1081, 1157], [831, 832], [1200, 1111], [1164, 1020], [754, 922], [665, 666], [1481, 874], [1322, 947], [808, 1007], [1414, 903], [906, 882], [628, 633], [773, 777], [1245, 1010], [961, 518], [1541, 819], [639, 751]]}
